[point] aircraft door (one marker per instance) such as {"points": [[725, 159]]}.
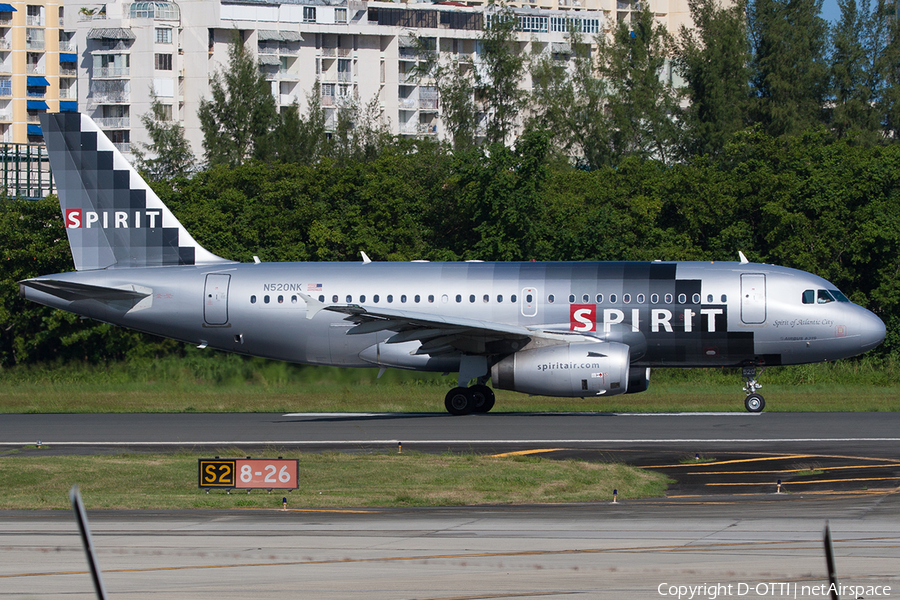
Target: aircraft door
{"points": [[753, 298], [215, 299], [529, 302]]}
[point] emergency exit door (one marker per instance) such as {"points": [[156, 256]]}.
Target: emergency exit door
{"points": [[215, 299], [753, 298]]}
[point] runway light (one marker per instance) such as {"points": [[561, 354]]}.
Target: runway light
{"points": [[778, 489], [284, 503], [615, 496], [399, 447], [697, 456]]}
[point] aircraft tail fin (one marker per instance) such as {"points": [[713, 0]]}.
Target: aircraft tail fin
{"points": [[112, 217]]}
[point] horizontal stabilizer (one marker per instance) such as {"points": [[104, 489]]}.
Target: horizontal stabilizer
{"points": [[68, 290]]}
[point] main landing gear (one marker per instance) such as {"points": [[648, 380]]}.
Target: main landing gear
{"points": [[475, 399], [754, 402]]}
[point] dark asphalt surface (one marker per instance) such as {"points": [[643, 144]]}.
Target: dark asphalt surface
{"points": [[740, 453]]}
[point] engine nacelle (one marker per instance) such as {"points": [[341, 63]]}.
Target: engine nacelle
{"points": [[570, 370]]}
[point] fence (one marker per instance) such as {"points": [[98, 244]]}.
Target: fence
{"points": [[26, 171]]}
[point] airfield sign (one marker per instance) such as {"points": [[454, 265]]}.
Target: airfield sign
{"points": [[248, 473]]}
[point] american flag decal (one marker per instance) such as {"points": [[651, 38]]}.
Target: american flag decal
{"points": [[314, 287]]}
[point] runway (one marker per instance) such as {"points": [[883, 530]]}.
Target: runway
{"points": [[722, 524]]}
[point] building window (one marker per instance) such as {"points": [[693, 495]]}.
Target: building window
{"points": [[340, 15], [34, 15], [34, 38], [309, 14], [162, 62], [163, 35], [166, 110]]}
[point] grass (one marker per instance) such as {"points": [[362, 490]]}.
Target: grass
{"points": [[331, 480], [228, 383]]}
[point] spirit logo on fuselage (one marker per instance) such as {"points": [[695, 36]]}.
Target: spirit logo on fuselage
{"points": [[583, 318], [77, 218]]}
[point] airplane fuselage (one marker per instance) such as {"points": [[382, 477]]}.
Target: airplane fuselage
{"points": [[671, 314]]}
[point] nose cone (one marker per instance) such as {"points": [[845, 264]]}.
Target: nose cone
{"points": [[871, 329]]}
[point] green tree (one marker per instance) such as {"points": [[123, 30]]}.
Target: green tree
{"points": [[713, 58], [497, 81], [172, 155], [888, 68], [640, 102], [852, 80], [238, 120], [789, 73]]}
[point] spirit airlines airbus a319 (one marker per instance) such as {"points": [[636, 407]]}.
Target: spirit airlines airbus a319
{"points": [[557, 329]]}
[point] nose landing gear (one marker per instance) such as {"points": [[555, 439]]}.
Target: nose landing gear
{"points": [[754, 402]]}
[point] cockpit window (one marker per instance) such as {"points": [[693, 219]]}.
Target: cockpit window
{"points": [[809, 297], [839, 296], [824, 297]]}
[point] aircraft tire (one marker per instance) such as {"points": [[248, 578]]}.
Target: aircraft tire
{"points": [[483, 397], [754, 403], [459, 401]]}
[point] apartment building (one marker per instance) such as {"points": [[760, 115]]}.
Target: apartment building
{"points": [[37, 67], [357, 50]]}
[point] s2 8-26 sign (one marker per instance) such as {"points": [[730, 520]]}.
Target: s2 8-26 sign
{"points": [[248, 473]]}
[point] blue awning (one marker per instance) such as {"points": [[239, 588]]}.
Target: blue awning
{"points": [[68, 106], [37, 81], [35, 130], [7, 8], [65, 57], [37, 105]]}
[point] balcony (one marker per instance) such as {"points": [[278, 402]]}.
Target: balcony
{"points": [[113, 122], [123, 147], [264, 48], [34, 44], [109, 72], [5, 68], [35, 94], [34, 20], [68, 94], [429, 104], [288, 51], [344, 76], [408, 103], [67, 71], [67, 46], [409, 53], [5, 21], [34, 69], [328, 52], [98, 99], [5, 44], [328, 100], [6, 88], [5, 115], [33, 118]]}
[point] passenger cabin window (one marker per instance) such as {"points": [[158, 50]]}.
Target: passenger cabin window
{"points": [[334, 298], [349, 298], [529, 298], [695, 299], [584, 299], [668, 299], [280, 299], [486, 298], [375, 298], [499, 298], [294, 299], [709, 298], [362, 299], [472, 298], [724, 298], [458, 298], [252, 299], [599, 298], [654, 298], [403, 299], [612, 298], [390, 298], [266, 299], [512, 298], [626, 298], [431, 297], [640, 299], [682, 298], [321, 298], [571, 298], [550, 299]]}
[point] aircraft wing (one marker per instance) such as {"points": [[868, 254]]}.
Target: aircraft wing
{"points": [[438, 334]]}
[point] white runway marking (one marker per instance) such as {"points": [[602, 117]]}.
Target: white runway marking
{"points": [[440, 441]]}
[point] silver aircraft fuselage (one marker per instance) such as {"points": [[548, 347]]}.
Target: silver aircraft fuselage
{"points": [[671, 314]]}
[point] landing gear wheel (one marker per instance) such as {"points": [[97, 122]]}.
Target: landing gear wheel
{"points": [[755, 403], [459, 401], [483, 398]]}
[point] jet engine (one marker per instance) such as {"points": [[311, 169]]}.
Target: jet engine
{"points": [[569, 370]]}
